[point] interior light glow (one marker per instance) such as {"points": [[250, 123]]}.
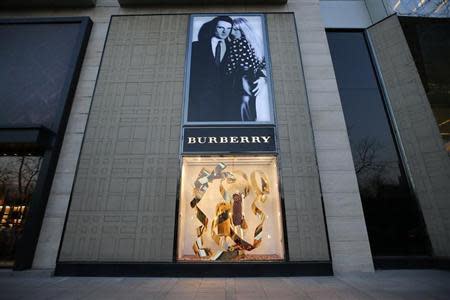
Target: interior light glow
{"points": [[445, 122], [440, 6], [205, 230]]}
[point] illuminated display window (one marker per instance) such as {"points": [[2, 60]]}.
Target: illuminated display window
{"points": [[230, 209], [18, 175]]}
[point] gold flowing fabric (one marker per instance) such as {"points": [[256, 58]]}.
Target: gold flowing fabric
{"points": [[227, 230], [201, 185]]}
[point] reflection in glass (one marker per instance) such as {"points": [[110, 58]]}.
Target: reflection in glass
{"points": [[18, 175], [429, 42], [423, 8], [229, 209], [392, 215], [35, 60]]}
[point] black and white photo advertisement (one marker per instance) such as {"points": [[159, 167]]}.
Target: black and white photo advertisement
{"points": [[228, 70]]}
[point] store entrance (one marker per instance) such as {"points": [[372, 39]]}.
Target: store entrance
{"points": [[18, 175]]}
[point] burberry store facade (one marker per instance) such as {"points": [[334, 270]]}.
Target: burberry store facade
{"points": [[208, 141]]}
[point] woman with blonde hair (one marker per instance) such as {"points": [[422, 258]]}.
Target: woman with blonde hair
{"points": [[247, 64]]}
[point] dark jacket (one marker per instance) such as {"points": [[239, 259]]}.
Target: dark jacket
{"points": [[211, 92]]}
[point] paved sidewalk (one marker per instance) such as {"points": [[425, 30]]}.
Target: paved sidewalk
{"points": [[400, 284]]}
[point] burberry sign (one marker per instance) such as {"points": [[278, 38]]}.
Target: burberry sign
{"points": [[229, 139]]}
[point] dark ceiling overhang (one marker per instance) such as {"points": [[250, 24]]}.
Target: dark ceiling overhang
{"points": [[197, 2], [91, 3], [46, 3]]}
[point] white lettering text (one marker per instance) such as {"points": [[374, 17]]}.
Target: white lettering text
{"points": [[255, 139], [266, 139], [244, 139], [234, 140]]}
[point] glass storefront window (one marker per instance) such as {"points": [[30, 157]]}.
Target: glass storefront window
{"points": [[429, 42], [18, 176], [230, 209], [393, 217]]}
